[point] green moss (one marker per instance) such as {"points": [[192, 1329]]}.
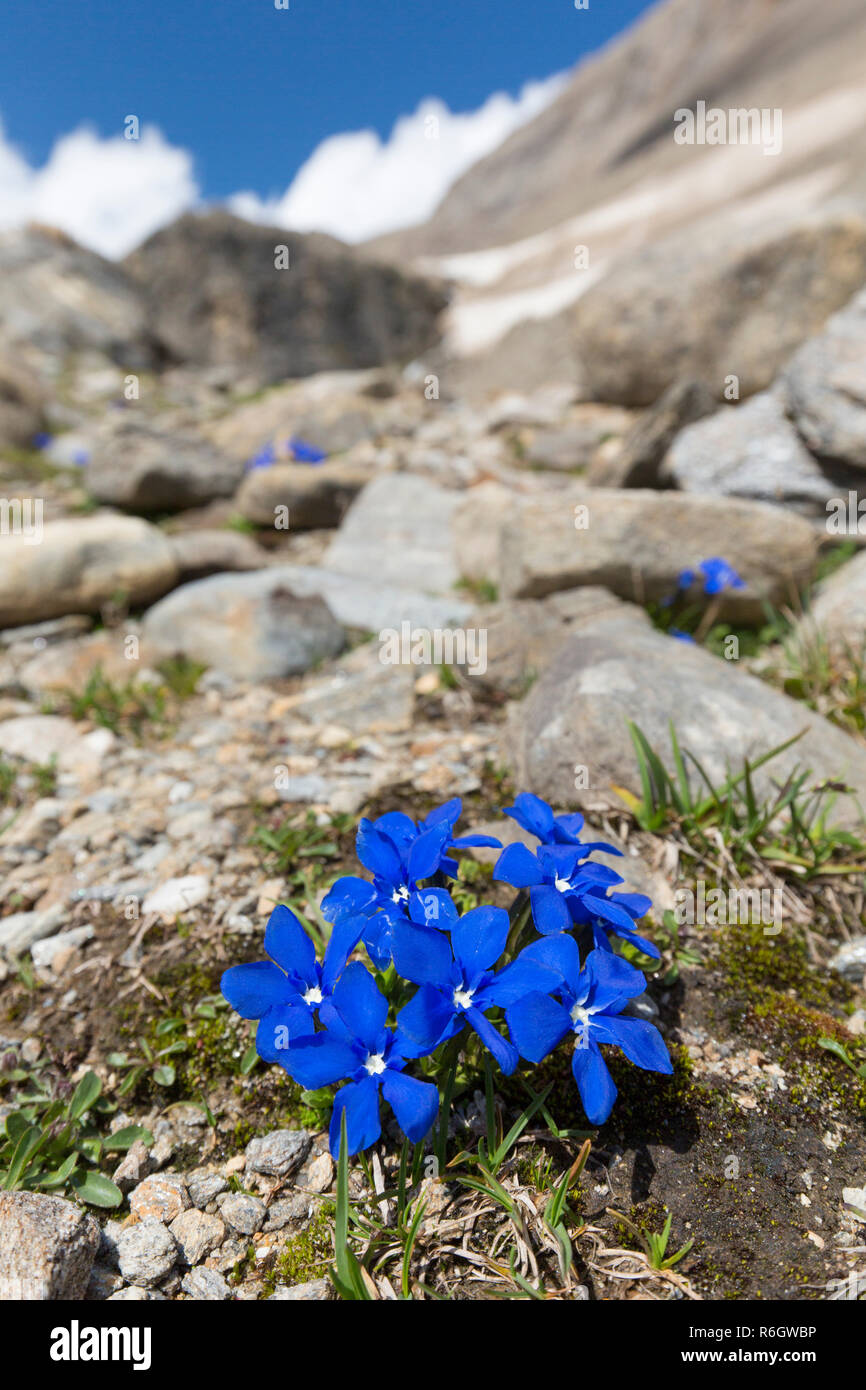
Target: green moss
{"points": [[307, 1255]]}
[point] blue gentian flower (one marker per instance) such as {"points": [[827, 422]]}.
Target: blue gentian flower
{"points": [[458, 983], [41, 440], [403, 830], [302, 452], [534, 815], [357, 1047], [717, 575], [263, 459], [564, 891], [589, 1004], [285, 992], [681, 636]]}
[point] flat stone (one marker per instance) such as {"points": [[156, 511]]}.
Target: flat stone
{"points": [[177, 895], [197, 1234], [47, 1247], [850, 960], [277, 1154], [288, 1211], [243, 1213], [161, 1197], [367, 605], [399, 529], [204, 1187], [314, 495], [206, 1286], [316, 1291], [21, 930]]}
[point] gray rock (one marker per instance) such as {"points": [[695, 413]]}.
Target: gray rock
{"points": [[288, 1211], [49, 949], [837, 614], [315, 495], [206, 1285], [80, 564], [748, 450], [477, 522], [252, 626], [316, 1291], [854, 1199], [21, 930], [216, 295], [204, 1187], [826, 386], [368, 606], [200, 553], [850, 960], [146, 1253], [197, 1234], [573, 445], [625, 546], [643, 450], [399, 529], [245, 1214], [133, 1294], [700, 307], [133, 1168], [21, 405], [47, 1247], [144, 469], [616, 669], [279, 1153]]}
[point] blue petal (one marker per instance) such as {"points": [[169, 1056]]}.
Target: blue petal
{"points": [[532, 814], [595, 1083], [423, 1022], [320, 1061], [345, 935], [607, 911], [475, 842], [377, 939], [450, 812], [348, 896], [283, 1024], [637, 905], [609, 981], [549, 909], [504, 1052], [639, 1040], [422, 954], [400, 829], [377, 853], [479, 938], [426, 852], [253, 989], [522, 976], [433, 907], [537, 1024], [559, 953], [360, 1004], [360, 1100], [566, 829], [287, 943], [415, 1103], [517, 866]]}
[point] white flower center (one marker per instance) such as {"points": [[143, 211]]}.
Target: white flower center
{"points": [[562, 884], [463, 997], [400, 895], [313, 995], [580, 1016], [375, 1064]]}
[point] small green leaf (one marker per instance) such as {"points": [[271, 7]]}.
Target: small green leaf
{"points": [[87, 1092], [95, 1189]]}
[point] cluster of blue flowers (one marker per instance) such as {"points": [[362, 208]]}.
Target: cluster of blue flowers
{"points": [[327, 1022], [298, 451]]}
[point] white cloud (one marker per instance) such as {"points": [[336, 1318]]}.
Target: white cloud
{"points": [[357, 186], [110, 194]]}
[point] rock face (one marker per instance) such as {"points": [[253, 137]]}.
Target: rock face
{"points": [[749, 450], [826, 385], [248, 625], [217, 294], [635, 543], [838, 612], [80, 564], [47, 1246], [615, 669], [57, 297], [146, 470], [692, 307], [315, 496], [399, 530], [20, 405], [643, 450]]}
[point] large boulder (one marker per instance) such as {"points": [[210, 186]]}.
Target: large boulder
{"points": [[399, 529], [749, 450], [315, 495], [837, 615], [57, 298], [218, 293], [714, 301], [252, 626], [616, 669], [47, 1247], [366, 604], [637, 542], [81, 564], [826, 386], [144, 469]]}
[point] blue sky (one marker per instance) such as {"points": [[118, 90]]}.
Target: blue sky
{"points": [[249, 92]]}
